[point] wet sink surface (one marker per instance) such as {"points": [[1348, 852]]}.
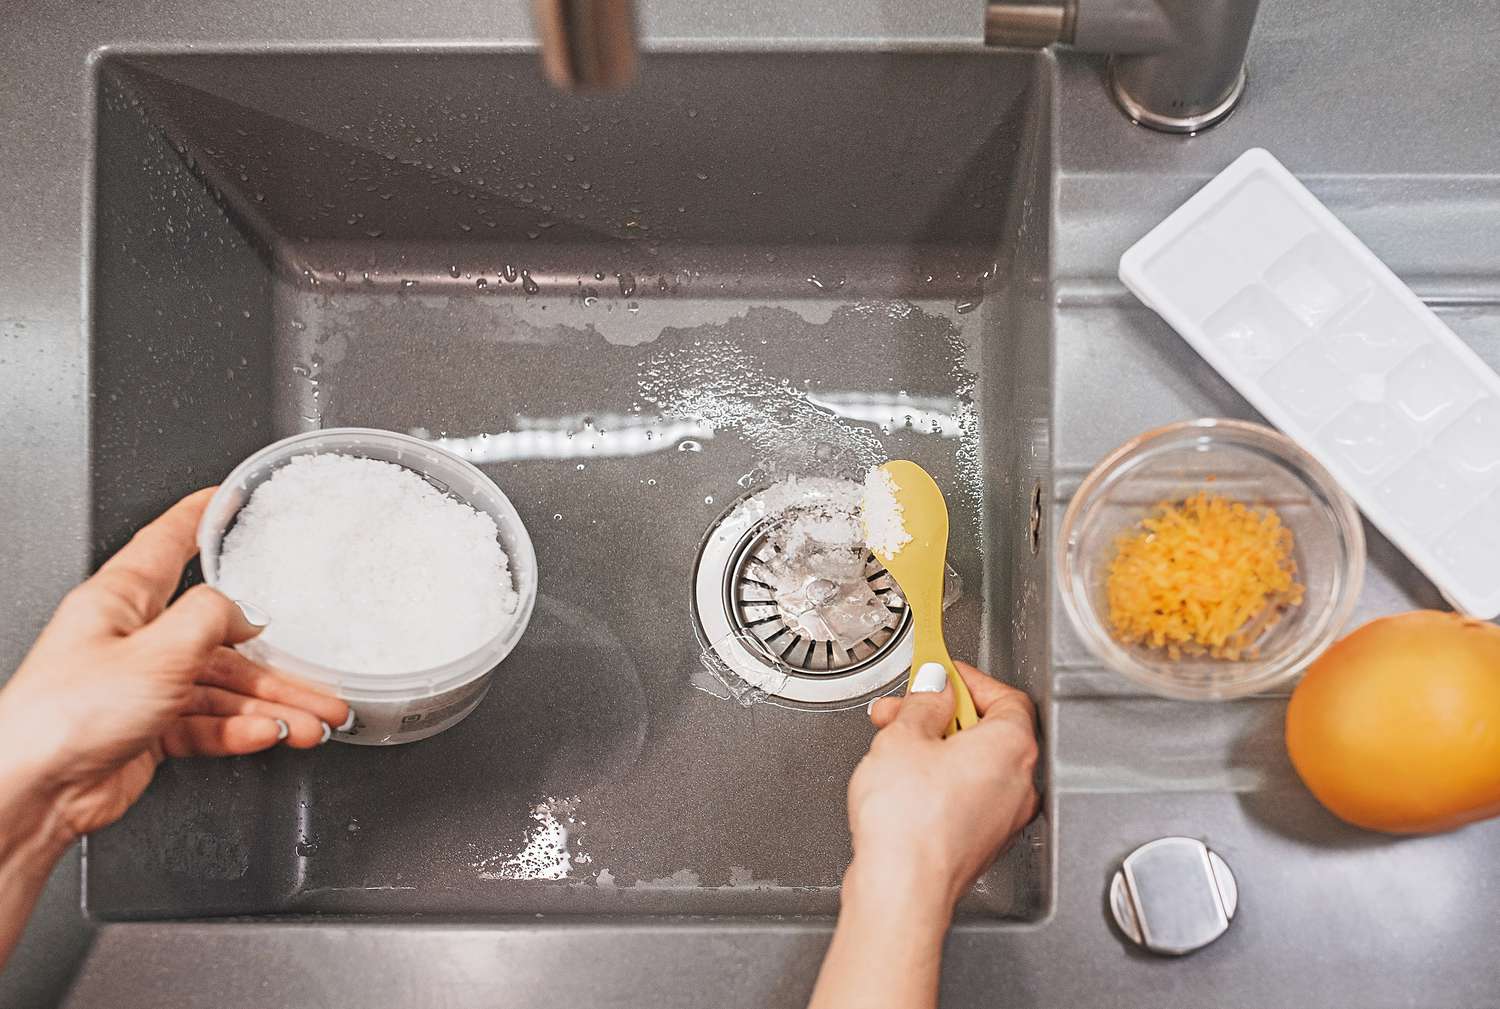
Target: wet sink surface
{"points": [[630, 313]]}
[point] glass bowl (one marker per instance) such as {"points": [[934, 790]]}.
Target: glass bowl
{"points": [[1246, 462]]}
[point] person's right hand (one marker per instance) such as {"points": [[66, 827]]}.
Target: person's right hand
{"points": [[119, 679], [929, 814]]}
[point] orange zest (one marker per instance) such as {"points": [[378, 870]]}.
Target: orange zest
{"points": [[1203, 576]]}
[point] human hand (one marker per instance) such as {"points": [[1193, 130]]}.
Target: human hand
{"points": [[118, 680], [929, 814]]}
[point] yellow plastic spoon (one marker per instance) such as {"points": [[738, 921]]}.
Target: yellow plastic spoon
{"points": [[918, 566]]}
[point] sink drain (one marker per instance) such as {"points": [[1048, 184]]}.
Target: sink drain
{"points": [[789, 599]]}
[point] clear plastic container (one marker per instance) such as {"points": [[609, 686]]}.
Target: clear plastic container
{"points": [[389, 708], [1244, 462]]}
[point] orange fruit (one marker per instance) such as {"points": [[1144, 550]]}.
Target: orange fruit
{"points": [[1397, 726]]}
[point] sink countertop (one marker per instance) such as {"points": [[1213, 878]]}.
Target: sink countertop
{"points": [[1372, 104]]}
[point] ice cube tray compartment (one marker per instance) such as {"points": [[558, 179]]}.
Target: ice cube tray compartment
{"points": [[1326, 342]]}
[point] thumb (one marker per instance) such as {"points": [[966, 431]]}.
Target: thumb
{"points": [[928, 705], [200, 621]]}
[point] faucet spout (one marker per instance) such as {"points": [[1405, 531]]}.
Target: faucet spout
{"points": [[587, 45], [1175, 65]]}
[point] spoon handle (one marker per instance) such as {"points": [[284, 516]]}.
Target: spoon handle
{"points": [[928, 646]]}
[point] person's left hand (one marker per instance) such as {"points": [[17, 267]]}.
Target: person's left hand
{"points": [[118, 680]]}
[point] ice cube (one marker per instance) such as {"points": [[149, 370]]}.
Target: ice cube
{"points": [[1258, 223], [1471, 549], [1256, 330], [1199, 275], [1427, 494], [1471, 444], [1371, 437], [1310, 385], [1317, 278], [1374, 335], [1432, 385]]}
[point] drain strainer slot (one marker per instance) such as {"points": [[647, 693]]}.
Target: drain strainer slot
{"points": [[814, 620], [799, 619]]}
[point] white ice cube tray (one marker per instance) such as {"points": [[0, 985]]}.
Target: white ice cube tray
{"points": [[1326, 342]]}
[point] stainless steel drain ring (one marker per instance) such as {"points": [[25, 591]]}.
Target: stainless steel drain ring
{"points": [[862, 671], [752, 608]]}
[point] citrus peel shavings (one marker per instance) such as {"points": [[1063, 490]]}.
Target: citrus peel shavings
{"points": [[1202, 576]]}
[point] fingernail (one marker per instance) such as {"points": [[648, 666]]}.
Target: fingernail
{"points": [[327, 732], [348, 722], [282, 729], [870, 708], [932, 678], [254, 615]]}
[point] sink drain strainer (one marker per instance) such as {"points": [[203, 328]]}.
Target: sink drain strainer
{"points": [[792, 605]]}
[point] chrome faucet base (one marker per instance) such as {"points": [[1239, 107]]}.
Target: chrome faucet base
{"points": [[1142, 115], [1175, 65]]}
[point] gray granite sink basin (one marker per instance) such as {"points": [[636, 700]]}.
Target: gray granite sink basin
{"points": [[629, 312]]}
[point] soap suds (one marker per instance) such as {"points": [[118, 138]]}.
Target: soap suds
{"points": [[364, 566], [885, 528], [544, 854], [682, 878]]}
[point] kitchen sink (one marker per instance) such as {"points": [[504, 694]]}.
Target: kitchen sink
{"points": [[631, 312]]}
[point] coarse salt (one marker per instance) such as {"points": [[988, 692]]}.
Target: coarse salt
{"points": [[885, 529], [363, 566]]}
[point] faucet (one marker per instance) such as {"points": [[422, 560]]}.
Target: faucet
{"points": [[1175, 65], [587, 45]]}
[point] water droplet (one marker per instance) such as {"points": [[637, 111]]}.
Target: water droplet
{"points": [[709, 499], [701, 176], [509, 273], [689, 445], [585, 186], [457, 170], [651, 482], [481, 283], [407, 285], [746, 480], [569, 158], [454, 272], [528, 285], [692, 113], [579, 466], [341, 274], [965, 305], [557, 516]]}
